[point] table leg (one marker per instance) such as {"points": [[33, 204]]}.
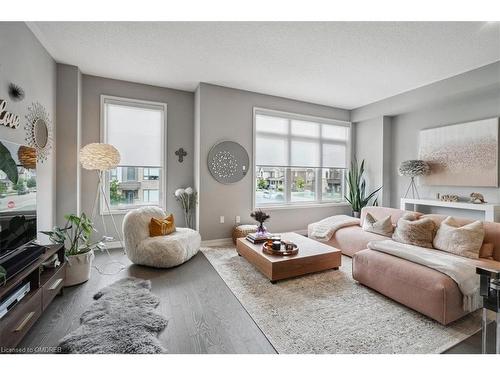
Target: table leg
{"points": [[273, 281], [484, 324], [498, 332]]}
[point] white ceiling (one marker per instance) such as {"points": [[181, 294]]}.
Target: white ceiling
{"points": [[343, 64]]}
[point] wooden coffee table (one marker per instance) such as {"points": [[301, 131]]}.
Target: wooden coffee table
{"points": [[313, 256]]}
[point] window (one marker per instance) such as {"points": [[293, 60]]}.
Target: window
{"points": [[137, 129], [299, 160]]}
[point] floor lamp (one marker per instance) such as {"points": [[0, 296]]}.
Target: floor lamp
{"points": [[102, 157], [412, 169]]}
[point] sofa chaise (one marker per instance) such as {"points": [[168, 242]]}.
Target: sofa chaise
{"points": [[421, 288]]}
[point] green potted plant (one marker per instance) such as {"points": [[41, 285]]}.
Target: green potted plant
{"points": [[356, 183], [79, 251]]}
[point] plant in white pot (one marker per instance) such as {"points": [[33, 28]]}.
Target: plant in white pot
{"points": [[79, 251], [357, 196]]}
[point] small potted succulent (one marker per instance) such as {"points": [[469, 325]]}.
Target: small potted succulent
{"points": [[79, 251], [261, 217]]}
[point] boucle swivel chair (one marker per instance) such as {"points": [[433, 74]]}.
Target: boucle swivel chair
{"points": [[161, 251]]}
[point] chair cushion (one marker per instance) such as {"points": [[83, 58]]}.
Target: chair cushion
{"points": [[167, 251], [162, 227]]}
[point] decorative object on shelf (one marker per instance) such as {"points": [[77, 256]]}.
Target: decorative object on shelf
{"points": [[7, 118], [188, 198], [357, 188], [449, 198], [477, 198], [261, 217], [75, 236], [27, 157], [16, 92], [463, 154], [228, 162], [39, 131], [102, 157], [412, 169], [181, 153]]}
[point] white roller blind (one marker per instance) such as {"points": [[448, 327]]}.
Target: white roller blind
{"points": [[136, 132], [292, 142]]}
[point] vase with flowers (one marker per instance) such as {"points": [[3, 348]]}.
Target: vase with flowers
{"points": [[261, 217], [188, 199]]}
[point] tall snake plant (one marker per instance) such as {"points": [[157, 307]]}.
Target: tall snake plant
{"points": [[356, 183]]}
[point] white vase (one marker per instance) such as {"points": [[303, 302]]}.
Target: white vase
{"points": [[78, 268]]}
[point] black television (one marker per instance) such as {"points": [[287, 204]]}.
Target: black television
{"points": [[18, 191]]}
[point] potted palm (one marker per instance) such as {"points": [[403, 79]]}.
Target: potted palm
{"points": [[79, 251], [356, 183]]}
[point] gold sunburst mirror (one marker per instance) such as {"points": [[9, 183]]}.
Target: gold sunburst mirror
{"points": [[39, 131]]}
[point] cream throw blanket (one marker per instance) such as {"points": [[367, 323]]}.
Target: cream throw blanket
{"points": [[324, 230], [461, 270]]}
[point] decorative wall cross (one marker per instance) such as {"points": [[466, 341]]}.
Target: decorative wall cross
{"points": [[181, 153]]}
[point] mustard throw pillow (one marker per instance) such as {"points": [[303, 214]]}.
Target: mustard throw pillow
{"points": [[162, 227]]}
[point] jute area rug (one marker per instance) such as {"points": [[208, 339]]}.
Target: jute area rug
{"points": [[329, 312]]}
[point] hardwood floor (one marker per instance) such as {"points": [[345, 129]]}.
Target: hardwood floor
{"points": [[204, 315]]}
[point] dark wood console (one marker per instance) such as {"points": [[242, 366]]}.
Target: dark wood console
{"points": [[44, 286]]}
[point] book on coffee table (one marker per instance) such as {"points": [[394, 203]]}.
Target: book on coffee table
{"points": [[253, 238]]}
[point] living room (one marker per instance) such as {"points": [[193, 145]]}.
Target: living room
{"points": [[253, 187]]}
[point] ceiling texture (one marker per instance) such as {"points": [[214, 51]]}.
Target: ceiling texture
{"points": [[340, 64]]}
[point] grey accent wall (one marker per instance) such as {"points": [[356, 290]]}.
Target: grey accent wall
{"points": [[180, 133], [469, 96], [69, 83], [25, 62], [227, 114]]}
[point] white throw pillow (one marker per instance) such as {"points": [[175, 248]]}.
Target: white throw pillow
{"points": [[383, 227], [464, 240]]}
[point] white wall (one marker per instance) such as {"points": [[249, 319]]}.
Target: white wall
{"points": [[26, 63], [227, 114], [469, 96], [180, 133]]}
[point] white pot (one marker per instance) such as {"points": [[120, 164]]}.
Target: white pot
{"points": [[78, 268]]}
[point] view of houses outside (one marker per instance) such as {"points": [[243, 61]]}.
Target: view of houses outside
{"points": [[271, 185], [20, 196], [134, 186]]}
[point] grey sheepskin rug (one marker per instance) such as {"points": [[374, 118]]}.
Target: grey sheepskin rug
{"points": [[121, 320]]}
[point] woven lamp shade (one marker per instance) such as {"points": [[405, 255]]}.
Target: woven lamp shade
{"points": [[27, 157], [99, 156]]}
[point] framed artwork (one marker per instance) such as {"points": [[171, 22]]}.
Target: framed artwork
{"points": [[463, 154]]}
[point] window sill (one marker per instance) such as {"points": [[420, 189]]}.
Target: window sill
{"points": [[302, 206]]}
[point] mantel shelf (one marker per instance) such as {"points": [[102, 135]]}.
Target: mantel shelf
{"points": [[491, 210]]}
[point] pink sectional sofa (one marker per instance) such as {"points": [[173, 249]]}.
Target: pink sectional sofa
{"points": [[423, 289]]}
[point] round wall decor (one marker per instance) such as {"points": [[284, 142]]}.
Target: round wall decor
{"points": [[228, 162], [39, 131]]}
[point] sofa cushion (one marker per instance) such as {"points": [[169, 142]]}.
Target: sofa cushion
{"points": [[465, 240], [378, 211], [486, 251], [421, 288], [353, 239], [412, 231], [383, 226]]}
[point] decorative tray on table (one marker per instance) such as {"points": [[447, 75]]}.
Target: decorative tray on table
{"points": [[286, 249]]}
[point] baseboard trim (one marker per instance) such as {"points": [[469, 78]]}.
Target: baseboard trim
{"points": [[218, 242]]}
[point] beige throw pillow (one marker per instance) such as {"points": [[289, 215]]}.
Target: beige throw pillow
{"points": [[413, 231], [464, 240], [382, 227]]}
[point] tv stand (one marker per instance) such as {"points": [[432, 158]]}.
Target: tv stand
{"points": [[44, 286]]}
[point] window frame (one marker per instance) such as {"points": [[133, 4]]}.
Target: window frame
{"points": [[288, 204], [129, 102]]}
